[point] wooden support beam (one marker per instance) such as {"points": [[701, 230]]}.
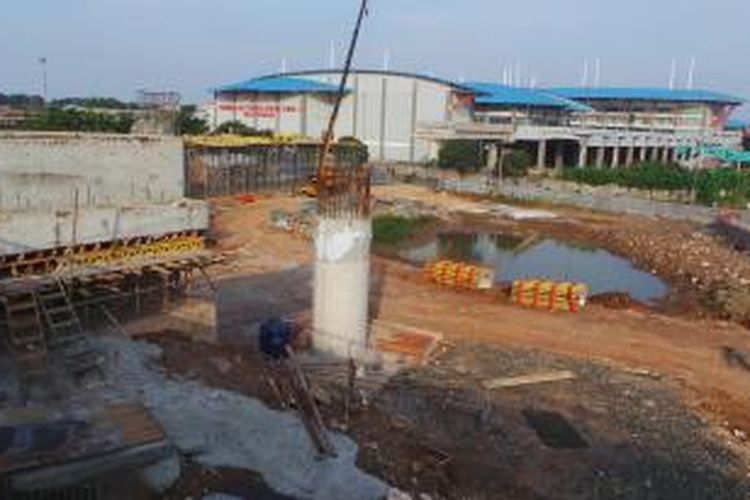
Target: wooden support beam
{"points": [[537, 378]]}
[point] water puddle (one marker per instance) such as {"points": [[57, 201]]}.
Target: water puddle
{"points": [[537, 256], [554, 430]]}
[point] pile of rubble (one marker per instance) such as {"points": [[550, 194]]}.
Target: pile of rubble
{"points": [[692, 259]]}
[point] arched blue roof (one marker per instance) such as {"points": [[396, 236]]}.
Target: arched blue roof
{"points": [[407, 74], [644, 94], [280, 84], [503, 95]]}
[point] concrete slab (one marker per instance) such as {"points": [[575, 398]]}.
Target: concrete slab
{"points": [[24, 231]]}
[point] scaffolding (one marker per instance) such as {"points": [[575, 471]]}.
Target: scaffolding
{"points": [[49, 299], [235, 167]]}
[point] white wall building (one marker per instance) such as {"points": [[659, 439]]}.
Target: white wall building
{"points": [[402, 117]]}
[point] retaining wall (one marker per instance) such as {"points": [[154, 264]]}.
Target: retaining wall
{"points": [[59, 189], [50, 170]]}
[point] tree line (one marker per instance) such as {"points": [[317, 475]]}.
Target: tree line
{"points": [[91, 114]]}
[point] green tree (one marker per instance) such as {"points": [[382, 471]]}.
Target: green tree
{"points": [[67, 119], [236, 127], [465, 156], [190, 124], [359, 148], [516, 164], [94, 102], [24, 101]]}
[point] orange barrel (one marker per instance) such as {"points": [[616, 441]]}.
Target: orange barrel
{"points": [[459, 275], [551, 295]]}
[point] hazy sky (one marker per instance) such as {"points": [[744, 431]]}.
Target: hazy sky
{"points": [[113, 47]]}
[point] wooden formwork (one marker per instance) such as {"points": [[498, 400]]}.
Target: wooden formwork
{"points": [[93, 256], [89, 285]]}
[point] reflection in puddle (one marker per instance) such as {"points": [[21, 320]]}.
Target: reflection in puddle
{"points": [[540, 257]]}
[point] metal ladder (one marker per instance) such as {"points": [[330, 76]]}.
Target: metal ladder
{"points": [[66, 334], [25, 335]]}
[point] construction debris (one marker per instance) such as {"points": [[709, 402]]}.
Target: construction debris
{"points": [[537, 378]]}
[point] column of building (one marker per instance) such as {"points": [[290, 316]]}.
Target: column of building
{"points": [[583, 153], [600, 156], [541, 154], [630, 153]]}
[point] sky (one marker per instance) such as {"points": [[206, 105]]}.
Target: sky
{"points": [[115, 47]]}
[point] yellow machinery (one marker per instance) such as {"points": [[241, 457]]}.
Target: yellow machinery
{"points": [[310, 189]]}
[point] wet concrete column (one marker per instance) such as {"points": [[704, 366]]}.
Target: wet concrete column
{"points": [[642, 153]]}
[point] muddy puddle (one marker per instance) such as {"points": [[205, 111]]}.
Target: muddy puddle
{"points": [[537, 256]]}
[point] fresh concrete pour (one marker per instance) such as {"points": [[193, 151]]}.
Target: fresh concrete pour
{"points": [[341, 285], [219, 428]]}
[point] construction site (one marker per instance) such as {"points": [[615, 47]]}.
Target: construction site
{"points": [[269, 317], [255, 341]]}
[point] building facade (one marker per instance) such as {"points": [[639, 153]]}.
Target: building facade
{"points": [[403, 117]]}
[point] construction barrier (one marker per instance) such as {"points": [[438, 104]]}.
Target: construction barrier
{"points": [[460, 275], [550, 295]]}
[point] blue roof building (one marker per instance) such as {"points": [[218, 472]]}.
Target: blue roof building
{"points": [[279, 85], [404, 116], [644, 94], [492, 94]]}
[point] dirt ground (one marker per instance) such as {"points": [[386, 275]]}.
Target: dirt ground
{"points": [[659, 403]]}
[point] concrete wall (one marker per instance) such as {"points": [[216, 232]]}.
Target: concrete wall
{"points": [[23, 231], [44, 171], [126, 186]]}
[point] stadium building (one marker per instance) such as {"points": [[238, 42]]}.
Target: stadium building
{"points": [[403, 117]]}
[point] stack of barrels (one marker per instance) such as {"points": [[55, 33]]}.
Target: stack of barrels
{"points": [[460, 275], [550, 295]]}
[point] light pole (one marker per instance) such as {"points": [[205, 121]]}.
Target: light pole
{"points": [[43, 64]]}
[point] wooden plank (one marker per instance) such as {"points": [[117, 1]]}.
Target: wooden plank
{"points": [[131, 422], [537, 378]]}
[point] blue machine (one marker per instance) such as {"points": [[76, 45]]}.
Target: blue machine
{"points": [[275, 335]]}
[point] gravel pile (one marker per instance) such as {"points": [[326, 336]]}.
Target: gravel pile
{"points": [[643, 441]]}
